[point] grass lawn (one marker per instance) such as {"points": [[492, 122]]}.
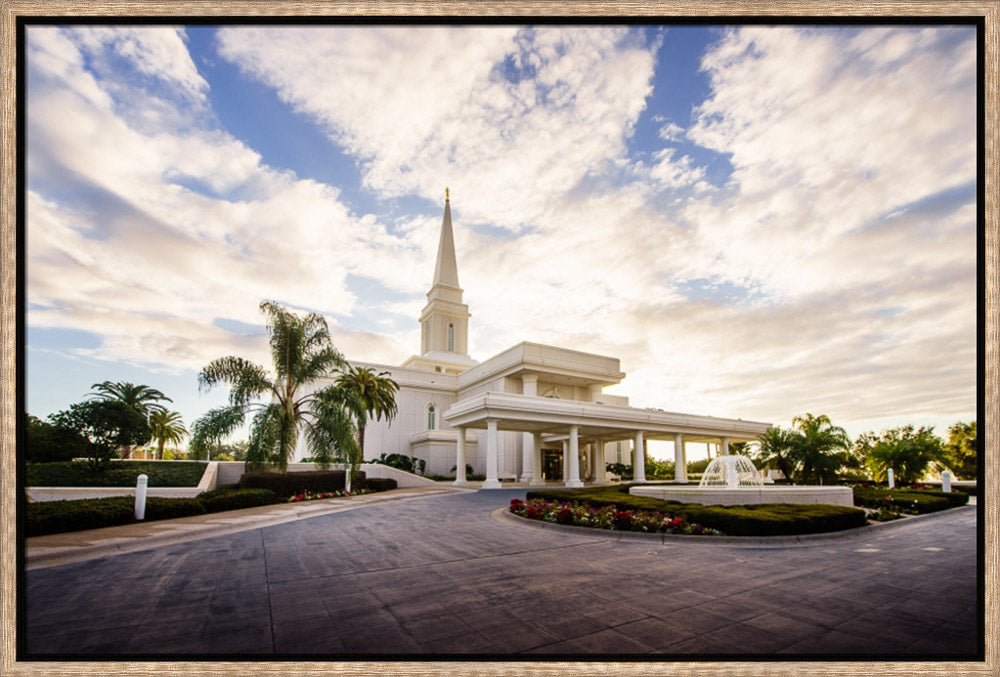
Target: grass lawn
{"points": [[119, 474]]}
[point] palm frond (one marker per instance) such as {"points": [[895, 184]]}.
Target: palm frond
{"points": [[247, 379], [209, 430]]}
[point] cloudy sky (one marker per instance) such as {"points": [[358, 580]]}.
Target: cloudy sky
{"points": [[758, 221]]}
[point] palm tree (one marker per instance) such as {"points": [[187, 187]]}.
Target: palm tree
{"points": [[821, 450], [302, 353], [373, 395], [142, 398], [777, 446], [167, 426]]}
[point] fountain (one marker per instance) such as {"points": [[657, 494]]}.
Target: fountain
{"points": [[734, 480], [732, 472]]}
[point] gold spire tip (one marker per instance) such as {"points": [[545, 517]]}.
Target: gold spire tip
{"points": [[446, 198]]}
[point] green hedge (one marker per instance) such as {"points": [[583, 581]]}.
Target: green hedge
{"points": [[919, 501], [287, 484], [237, 499], [771, 519], [118, 474], [53, 517], [379, 483]]}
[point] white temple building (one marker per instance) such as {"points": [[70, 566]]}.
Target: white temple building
{"points": [[533, 413]]}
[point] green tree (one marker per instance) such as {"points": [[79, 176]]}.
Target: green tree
{"points": [[906, 450], [960, 450], [775, 446], [142, 398], [820, 450], [166, 426], [106, 425], [44, 441], [368, 395], [302, 353]]}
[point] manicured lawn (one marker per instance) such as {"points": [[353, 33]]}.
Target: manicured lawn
{"points": [[119, 474]]}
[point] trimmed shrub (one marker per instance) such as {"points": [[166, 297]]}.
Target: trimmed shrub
{"points": [[287, 484], [53, 517], [379, 483], [913, 501], [771, 519], [117, 474], [237, 499], [160, 508]]}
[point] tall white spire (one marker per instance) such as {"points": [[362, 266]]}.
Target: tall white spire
{"points": [[444, 322], [446, 269]]}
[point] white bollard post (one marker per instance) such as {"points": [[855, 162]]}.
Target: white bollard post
{"points": [[946, 482], [892, 480], [140, 497]]}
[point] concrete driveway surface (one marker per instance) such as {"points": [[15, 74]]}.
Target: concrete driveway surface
{"points": [[439, 576]]}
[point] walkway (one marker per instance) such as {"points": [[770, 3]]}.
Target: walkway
{"points": [[438, 575]]}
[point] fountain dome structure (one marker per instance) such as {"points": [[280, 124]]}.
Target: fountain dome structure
{"points": [[731, 471]]}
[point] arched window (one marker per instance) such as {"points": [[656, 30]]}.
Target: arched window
{"points": [[451, 337], [431, 416]]}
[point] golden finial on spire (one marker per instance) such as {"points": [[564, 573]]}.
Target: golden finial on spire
{"points": [[446, 198]]}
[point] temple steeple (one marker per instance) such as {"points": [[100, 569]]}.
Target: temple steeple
{"points": [[444, 322], [446, 269]]}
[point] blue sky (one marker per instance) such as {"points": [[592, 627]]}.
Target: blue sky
{"points": [[758, 221]]}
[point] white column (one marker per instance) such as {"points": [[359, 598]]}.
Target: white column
{"points": [[600, 476], [530, 388], [536, 443], [595, 392], [491, 455], [680, 459], [565, 463], [573, 480], [639, 458], [724, 448], [460, 456]]}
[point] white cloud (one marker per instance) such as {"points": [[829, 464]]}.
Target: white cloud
{"points": [[145, 236], [845, 310], [510, 118]]}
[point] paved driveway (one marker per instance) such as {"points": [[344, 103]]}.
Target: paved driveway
{"points": [[439, 576]]}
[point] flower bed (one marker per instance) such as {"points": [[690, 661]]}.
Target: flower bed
{"points": [[606, 517], [316, 495]]}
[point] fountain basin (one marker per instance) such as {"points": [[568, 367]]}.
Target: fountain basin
{"points": [[720, 495]]}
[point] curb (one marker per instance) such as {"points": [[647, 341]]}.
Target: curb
{"points": [[804, 540]]}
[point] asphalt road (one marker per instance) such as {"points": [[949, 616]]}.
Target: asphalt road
{"points": [[439, 576]]}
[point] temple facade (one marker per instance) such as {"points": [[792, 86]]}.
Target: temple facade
{"points": [[533, 413]]}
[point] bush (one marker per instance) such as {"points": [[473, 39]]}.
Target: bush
{"points": [[908, 500], [235, 499], [288, 484], [117, 474], [160, 508], [52, 517], [402, 462], [772, 519], [379, 483]]}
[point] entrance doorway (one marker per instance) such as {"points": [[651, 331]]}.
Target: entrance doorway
{"points": [[552, 464]]}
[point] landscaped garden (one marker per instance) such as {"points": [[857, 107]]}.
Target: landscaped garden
{"points": [[254, 489], [612, 507]]}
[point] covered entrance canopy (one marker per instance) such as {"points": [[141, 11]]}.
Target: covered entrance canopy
{"points": [[575, 422]]}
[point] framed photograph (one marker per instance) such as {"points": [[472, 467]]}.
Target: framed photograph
{"points": [[542, 338]]}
